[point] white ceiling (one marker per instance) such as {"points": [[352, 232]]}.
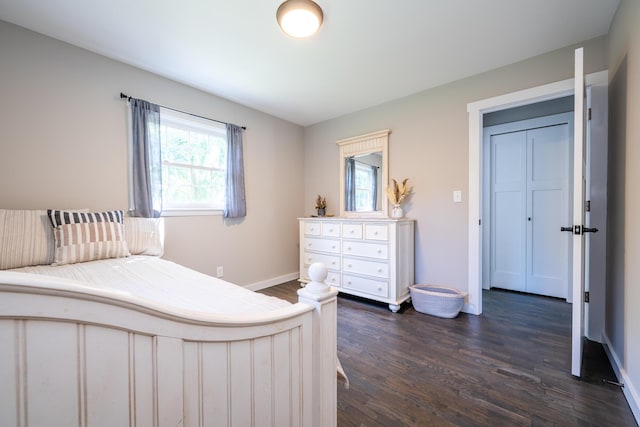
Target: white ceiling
{"points": [[366, 53]]}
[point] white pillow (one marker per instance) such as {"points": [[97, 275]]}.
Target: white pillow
{"points": [[145, 236]]}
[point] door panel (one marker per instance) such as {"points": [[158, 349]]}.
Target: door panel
{"points": [[509, 245], [548, 265], [508, 207], [547, 190], [548, 160]]}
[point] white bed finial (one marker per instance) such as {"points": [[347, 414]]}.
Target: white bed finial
{"points": [[318, 274]]}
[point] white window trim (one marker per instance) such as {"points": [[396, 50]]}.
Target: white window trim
{"points": [[192, 212], [191, 122]]}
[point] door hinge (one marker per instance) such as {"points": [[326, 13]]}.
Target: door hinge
{"points": [[589, 113], [480, 222], [586, 296], [587, 206]]}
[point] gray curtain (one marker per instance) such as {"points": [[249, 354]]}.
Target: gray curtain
{"points": [[146, 157], [236, 204], [350, 184], [374, 188]]}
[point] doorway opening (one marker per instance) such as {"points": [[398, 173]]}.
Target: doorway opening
{"points": [[477, 112], [525, 199]]}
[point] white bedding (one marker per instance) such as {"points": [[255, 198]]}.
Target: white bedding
{"points": [[162, 283]]}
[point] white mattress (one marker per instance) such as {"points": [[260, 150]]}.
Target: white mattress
{"points": [[162, 283]]}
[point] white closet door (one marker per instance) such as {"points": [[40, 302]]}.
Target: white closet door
{"points": [[547, 210], [529, 187], [508, 210]]}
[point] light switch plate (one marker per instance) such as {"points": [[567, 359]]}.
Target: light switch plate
{"points": [[457, 196]]}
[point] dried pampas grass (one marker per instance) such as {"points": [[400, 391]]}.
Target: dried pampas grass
{"points": [[398, 192]]}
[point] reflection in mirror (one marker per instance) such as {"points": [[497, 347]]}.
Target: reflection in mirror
{"points": [[363, 182], [364, 175]]}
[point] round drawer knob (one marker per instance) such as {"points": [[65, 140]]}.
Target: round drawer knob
{"points": [[349, 265], [333, 247], [310, 259], [379, 251], [351, 231], [349, 282], [310, 244], [379, 270], [333, 263], [349, 248], [331, 230]]}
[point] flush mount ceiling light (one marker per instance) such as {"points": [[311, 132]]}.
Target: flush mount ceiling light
{"points": [[299, 18]]}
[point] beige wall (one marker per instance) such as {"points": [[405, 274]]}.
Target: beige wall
{"points": [[623, 242], [63, 143], [429, 145]]}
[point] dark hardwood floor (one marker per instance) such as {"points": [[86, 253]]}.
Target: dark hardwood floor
{"points": [[507, 367]]}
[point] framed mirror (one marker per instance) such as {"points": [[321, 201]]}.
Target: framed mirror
{"points": [[364, 175]]}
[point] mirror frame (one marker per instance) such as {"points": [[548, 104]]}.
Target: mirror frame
{"points": [[365, 144]]}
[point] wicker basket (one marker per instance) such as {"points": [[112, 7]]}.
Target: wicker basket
{"points": [[438, 301]]}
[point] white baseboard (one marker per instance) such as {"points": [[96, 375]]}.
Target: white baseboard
{"points": [[273, 281], [629, 389]]}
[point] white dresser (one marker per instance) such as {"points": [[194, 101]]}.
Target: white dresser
{"points": [[371, 258]]}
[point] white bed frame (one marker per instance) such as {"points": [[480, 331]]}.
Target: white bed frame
{"points": [[72, 357]]}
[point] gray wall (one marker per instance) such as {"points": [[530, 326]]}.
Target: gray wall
{"points": [[63, 144]]}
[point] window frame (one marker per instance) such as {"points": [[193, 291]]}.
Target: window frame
{"points": [[189, 122]]}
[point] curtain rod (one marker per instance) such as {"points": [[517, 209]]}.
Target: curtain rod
{"points": [[128, 98]]}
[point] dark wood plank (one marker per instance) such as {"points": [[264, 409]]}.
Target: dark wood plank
{"points": [[507, 367]]}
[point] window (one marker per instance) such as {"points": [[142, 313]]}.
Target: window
{"points": [[364, 187], [194, 159]]}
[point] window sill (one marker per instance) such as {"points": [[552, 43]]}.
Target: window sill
{"points": [[193, 212]]}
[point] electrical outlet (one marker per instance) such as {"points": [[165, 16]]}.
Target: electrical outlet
{"points": [[457, 196], [220, 271]]}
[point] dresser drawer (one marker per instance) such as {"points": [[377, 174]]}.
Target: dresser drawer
{"points": [[333, 277], [369, 250], [352, 231], [331, 261], [369, 268], [322, 245], [378, 288], [376, 232], [331, 229], [312, 228]]}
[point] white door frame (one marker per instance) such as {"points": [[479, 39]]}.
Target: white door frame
{"points": [[476, 111]]}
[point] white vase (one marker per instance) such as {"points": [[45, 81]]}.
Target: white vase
{"points": [[397, 212]]}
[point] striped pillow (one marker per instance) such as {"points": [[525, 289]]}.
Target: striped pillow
{"points": [[81, 237]]}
